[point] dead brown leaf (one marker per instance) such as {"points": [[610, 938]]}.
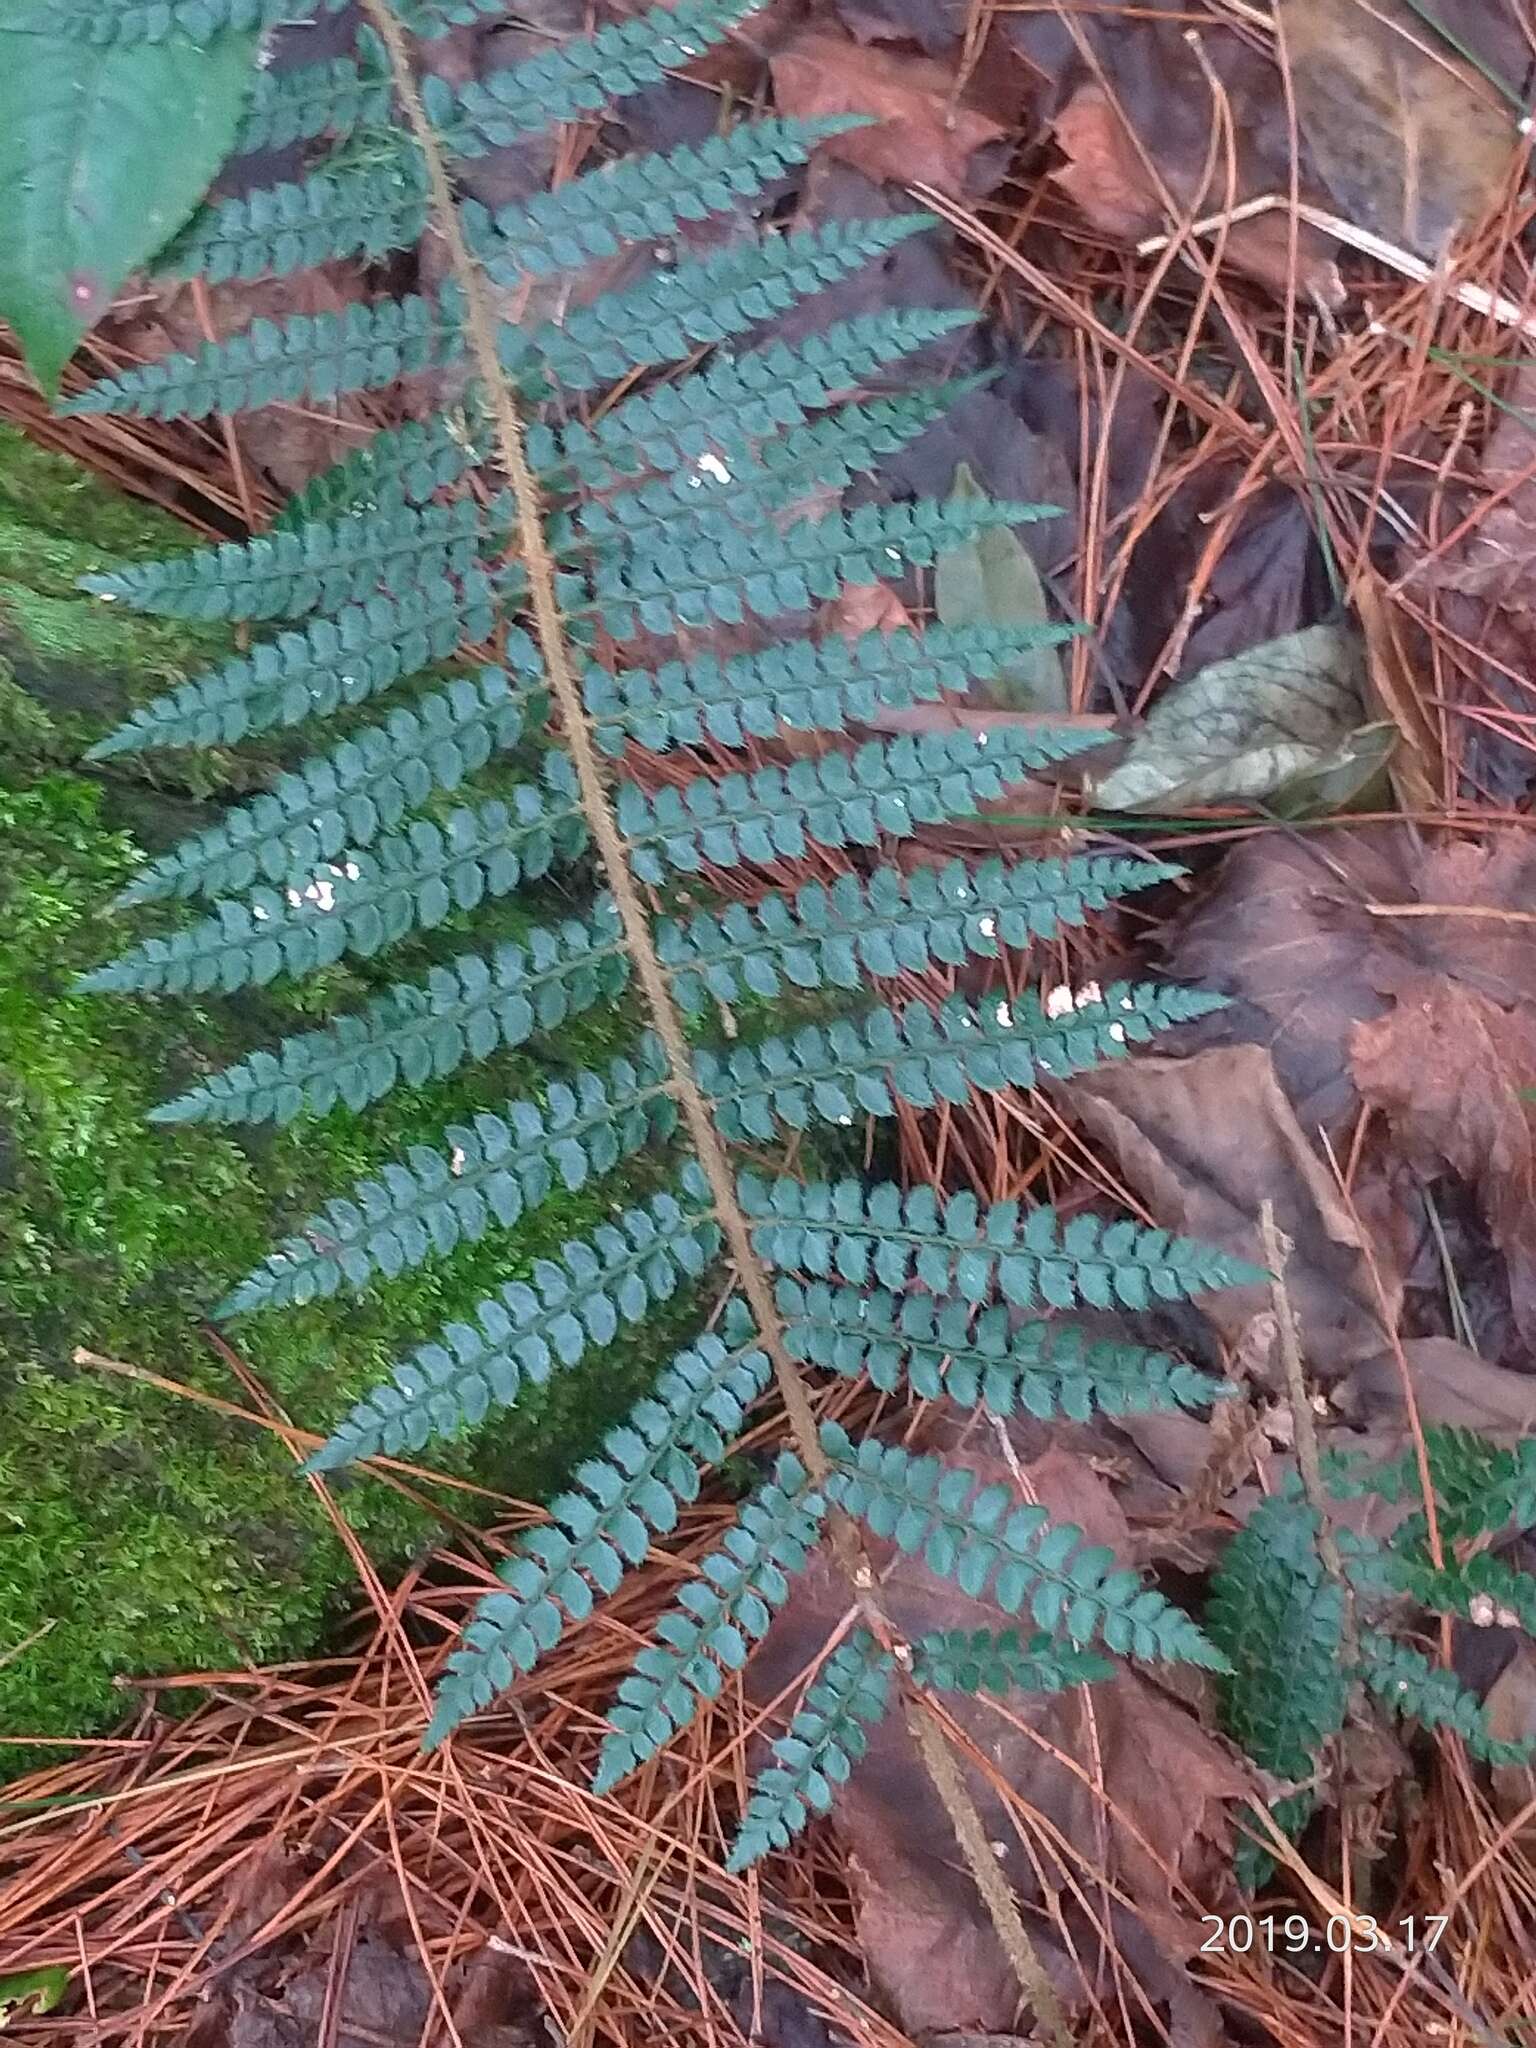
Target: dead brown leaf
{"points": [[1119, 1780], [1417, 767], [1206, 1141], [1411, 140], [1448, 1068], [920, 133], [1497, 560], [1451, 1386]]}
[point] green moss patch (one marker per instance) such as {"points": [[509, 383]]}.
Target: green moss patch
{"points": [[140, 1533]]}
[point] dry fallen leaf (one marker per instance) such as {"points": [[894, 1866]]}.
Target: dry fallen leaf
{"points": [[1205, 1141], [1411, 140], [1450, 1069], [1417, 766], [920, 134], [1497, 560]]}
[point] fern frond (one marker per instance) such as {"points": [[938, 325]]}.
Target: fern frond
{"points": [[1481, 1487], [649, 1467], [486, 1176], [403, 465], [466, 1010], [727, 575], [826, 1738], [888, 788], [1408, 1685], [985, 1660], [942, 1349], [717, 1617], [155, 21], [923, 1057], [357, 209], [1479, 1588], [526, 1330], [807, 685], [888, 923], [318, 567], [407, 881], [639, 198], [954, 1246], [735, 399], [706, 299], [1278, 1617], [333, 97], [576, 77], [314, 356], [983, 1536], [344, 799], [313, 672]]}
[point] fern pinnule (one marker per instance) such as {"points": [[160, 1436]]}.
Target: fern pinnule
{"points": [[465, 1009], [523, 1332]]}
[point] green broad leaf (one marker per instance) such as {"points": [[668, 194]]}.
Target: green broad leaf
{"points": [[105, 150], [32, 1991], [1283, 722], [991, 581]]}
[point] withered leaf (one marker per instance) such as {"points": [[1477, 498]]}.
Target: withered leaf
{"points": [[1206, 1141], [1412, 141], [1249, 728], [920, 132], [1497, 559], [1449, 1067]]}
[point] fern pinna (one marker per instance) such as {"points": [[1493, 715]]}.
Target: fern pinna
{"points": [[709, 497]]}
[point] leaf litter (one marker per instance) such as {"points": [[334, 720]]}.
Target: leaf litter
{"points": [[1296, 521]]}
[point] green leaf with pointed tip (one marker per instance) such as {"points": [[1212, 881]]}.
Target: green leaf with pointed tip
{"points": [[989, 580], [104, 152]]}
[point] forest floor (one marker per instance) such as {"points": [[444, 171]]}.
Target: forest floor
{"points": [[1261, 323]]}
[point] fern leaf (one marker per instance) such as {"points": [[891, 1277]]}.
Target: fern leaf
{"points": [[640, 198], [954, 1246], [707, 299], [985, 1660], [318, 567], [923, 1057], [733, 399], [826, 1738], [805, 684], [1277, 1616], [333, 97], [357, 209], [888, 923], [1482, 1588], [486, 1176], [523, 1332], [984, 1536], [466, 1010], [649, 1467], [703, 577], [344, 799], [1410, 1686], [710, 505], [577, 77], [717, 1618], [155, 21], [407, 881], [888, 789], [1481, 1487], [315, 356], [942, 1349], [330, 663], [402, 465]]}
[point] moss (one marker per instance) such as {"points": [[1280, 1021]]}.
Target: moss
{"points": [[140, 1533]]}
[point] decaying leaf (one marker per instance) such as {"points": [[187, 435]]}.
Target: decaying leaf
{"points": [[920, 132], [1511, 1710], [1449, 1067], [991, 581], [1140, 1794], [1287, 716], [1417, 763], [1205, 1141], [1412, 141]]}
